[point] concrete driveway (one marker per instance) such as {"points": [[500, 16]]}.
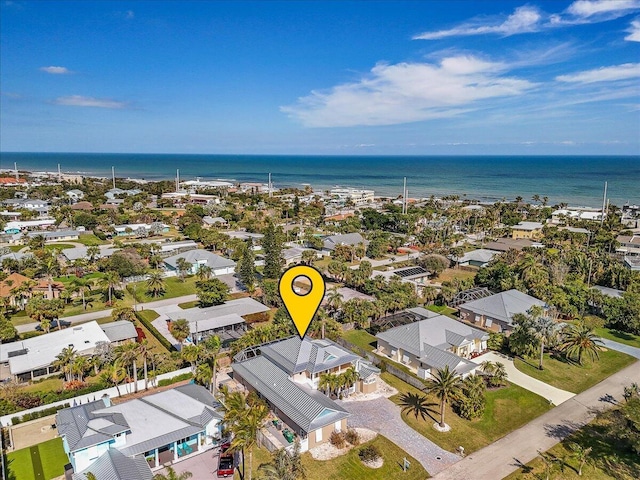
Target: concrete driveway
{"points": [[621, 347], [383, 416], [555, 395], [202, 466]]}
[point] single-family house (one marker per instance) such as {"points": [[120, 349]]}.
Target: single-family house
{"points": [[113, 465], [433, 342], [530, 230], [286, 374], [140, 229], [168, 247], [198, 258], [416, 276], [77, 253], [632, 263], [75, 195], [351, 239], [629, 244], [293, 255], [161, 428], [33, 358], [83, 205], [209, 222], [11, 288], [496, 311], [120, 332], [505, 244], [57, 235], [476, 258]]}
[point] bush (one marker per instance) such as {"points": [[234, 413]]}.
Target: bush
{"points": [[497, 341], [176, 379], [163, 341], [352, 436], [370, 453], [337, 439], [26, 401]]}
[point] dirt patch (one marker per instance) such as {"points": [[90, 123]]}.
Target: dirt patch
{"points": [[33, 432]]}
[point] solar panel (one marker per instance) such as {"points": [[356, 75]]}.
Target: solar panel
{"points": [[411, 271], [17, 353]]}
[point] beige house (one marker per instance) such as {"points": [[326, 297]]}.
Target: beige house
{"points": [[530, 230], [287, 373]]}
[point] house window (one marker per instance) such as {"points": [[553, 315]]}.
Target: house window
{"points": [[318, 435], [488, 322], [406, 359]]}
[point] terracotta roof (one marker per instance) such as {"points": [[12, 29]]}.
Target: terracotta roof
{"points": [[11, 180], [82, 206], [17, 279]]}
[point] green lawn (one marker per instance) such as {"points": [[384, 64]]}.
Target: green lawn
{"points": [[442, 309], [618, 336], [507, 409], [90, 240], [361, 338], [187, 305], [52, 459], [58, 246], [572, 377], [606, 461], [350, 467], [174, 286]]}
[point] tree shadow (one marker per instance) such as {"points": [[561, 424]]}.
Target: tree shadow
{"points": [[523, 466], [562, 430], [622, 335]]}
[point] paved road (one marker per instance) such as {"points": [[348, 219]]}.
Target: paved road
{"points": [[520, 447], [621, 347], [383, 416], [514, 375], [85, 317]]}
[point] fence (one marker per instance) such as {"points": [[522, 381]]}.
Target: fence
{"points": [[377, 361]]}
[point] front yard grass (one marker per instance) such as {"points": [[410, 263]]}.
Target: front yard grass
{"points": [[47, 461], [442, 309], [571, 376], [174, 287], [350, 467], [618, 336], [507, 409], [449, 274], [361, 338], [90, 240]]}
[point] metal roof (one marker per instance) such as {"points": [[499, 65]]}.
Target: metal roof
{"points": [[332, 241], [309, 409], [239, 306], [502, 306], [197, 255], [120, 330], [113, 465]]}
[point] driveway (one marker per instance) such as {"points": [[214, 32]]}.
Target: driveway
{"points": [[383, 416], [621, 347], [202, 466], [521, 446], [553, 394]]}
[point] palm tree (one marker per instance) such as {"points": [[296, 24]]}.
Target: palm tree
{"points": [[128, 355], [327, 383], [205, 272], [581, 339], [79, 367], [246, 432], [155, 284], [172, 475], [81, 286], [192, 354], [416, 404], [64, 361], [111, 280], [334, 299], [212, 347], [144, 350], [114, 374], [349, 377], [92, 253], [123, 313], [180, 329], [283, 466], [499, 376], [183, 267], [445, 384], [545, 330]]}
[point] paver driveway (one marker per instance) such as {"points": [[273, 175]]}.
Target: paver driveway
{"points": [[383, 416]]}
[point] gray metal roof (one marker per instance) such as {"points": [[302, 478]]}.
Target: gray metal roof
{"points": [[239, 306], [198, 255], [295, 355], [438, 359], [366, 369], [119, 331], [309, 409], [332, 241], [113, 465], [502, 306]]}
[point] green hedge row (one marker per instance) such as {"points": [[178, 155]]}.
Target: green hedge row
{"points": [[39, 414], [176, 379], [163, 341]]}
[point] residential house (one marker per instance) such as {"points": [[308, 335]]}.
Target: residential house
{"points": [[506, 244], [416, 276], [84, 206], [57, 235], [75, 195], [140, 229], [629, 244], [352, 195], [496, 311], [476, 258], [198, 258], [530, 230], [432, 343], [13, 283], [76, 253], [18, 226], [10, 216], [294, 254], [120, 332], [33, 204], [33, 358], [209, 222], [12, 181], [632, 263], [161, 428], [119, 193], [184, 245], [351, 239], [225, 321], [113, 465], [286, 374]]}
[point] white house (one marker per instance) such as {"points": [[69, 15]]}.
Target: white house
{"points": [[198, 258]]}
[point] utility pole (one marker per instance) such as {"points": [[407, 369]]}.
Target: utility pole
{"points": [[604, 203], [404, 196], [113, 176]]}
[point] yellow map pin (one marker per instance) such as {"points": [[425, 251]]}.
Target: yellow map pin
{"points": [[302, 306]]}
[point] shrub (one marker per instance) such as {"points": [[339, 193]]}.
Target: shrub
{"points": [[27, 400], [337, 439], [176, 379], [370, 453], [163, 341], [42, 413], [352, 436], [74, 385]]}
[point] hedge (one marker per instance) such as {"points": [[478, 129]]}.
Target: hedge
{"points": [[176, 379], [39, 414], [163, 341]]}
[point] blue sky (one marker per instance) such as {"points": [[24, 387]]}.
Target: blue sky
{"points": [[312, 77]]}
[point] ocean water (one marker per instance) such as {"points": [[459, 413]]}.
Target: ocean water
{"points": [[575, 180]]}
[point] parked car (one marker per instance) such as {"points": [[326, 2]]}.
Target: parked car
{"points": [[226, 465]]}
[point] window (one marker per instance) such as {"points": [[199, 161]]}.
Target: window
{"points": [[406, 359]]}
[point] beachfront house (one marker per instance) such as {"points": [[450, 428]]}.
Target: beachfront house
{"points": [[162, 428], [432, 342], [496, 311], [199, 258], [286, 374]]}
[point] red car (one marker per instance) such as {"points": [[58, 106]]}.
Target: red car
{"points": [[226, 463]]}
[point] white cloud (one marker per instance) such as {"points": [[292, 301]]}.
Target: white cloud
{"points": [[408, 92], [56, 70], [634, 31], [81, 101], [604, 74], [609, 8], [524, 19]]}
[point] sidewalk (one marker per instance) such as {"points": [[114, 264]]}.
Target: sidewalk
{"points": [[124, 389], [521, 446]]}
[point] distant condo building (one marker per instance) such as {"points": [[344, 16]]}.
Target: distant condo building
{"points": [[358, 197]]}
